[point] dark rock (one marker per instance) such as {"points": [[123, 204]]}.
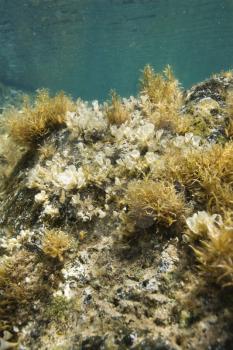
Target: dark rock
{"points": [[93, 343], [128, 339]]}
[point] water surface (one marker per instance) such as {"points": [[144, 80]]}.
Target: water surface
{"points": [[87, 47]]}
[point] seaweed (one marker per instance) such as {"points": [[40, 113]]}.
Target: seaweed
{"points": [[207, 176], [165, 100], [152, 201], [115, 111], [28, 126], [23, 280], [55, 244], [212, 242]]}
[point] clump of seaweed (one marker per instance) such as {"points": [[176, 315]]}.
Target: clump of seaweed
{"points": [[28, 126], [11, 279], [228, 74], [55, 244], [149, 201], [10, 154], [206, 176], [229, 112], [116, 112], [46, 151], [23, 280], [161, 88], [215, 250], [165, 100]]}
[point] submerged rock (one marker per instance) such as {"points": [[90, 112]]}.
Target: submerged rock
{"points": [[118, 274]]}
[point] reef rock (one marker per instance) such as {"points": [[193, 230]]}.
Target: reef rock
{"points": [[83, 264]]}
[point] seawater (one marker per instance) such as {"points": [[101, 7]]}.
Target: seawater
{"points": [[87, 47]]}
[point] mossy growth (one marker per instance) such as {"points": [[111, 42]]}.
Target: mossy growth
{"points": [[24, 279], [149, 201], [115, 111], [15, 292], [229, 128], [229, 113], [161, 88], [165, 100], [212, 242], [225, 74], [205, 117], [59, 309], [46, 151], [206, 176], [204, 181], [202, 125], [55, 244], [28, 126]]}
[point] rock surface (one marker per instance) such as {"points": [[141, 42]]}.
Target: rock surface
{"points": [[111, 290]]}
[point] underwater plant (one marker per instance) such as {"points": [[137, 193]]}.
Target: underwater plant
{"points": [[165, 100], [55, 244], [60, 309], [22, 281], [150, 201], [229, 112], [46, 151], [215, 250], [28, 126], [125, 198], [161, 88], [206, 176], [165, 117], [115, 111], [229, 128]]}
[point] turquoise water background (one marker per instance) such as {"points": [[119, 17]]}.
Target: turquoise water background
{"points": [[87, 47]]}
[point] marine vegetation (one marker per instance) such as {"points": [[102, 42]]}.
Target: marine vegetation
{"points": [[23, 280], [59, 310], [55, 244], [229, 111], [206, 179], [115, 111], [206, 176], [205, 116], [215, 250], [165, 99], [118, 205], [151, 201], [29, 125], [46, 151], [161, 88]]}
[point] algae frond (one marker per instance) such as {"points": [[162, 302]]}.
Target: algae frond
{"points": [[55, 244], [28, 126], [165, 100], [156, 200], [115, 111], [215, 250]]}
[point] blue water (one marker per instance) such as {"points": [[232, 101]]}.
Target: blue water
{"points": [[87, 47]]}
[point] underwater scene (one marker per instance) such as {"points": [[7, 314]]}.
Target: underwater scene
{"points": [[116, 175]]}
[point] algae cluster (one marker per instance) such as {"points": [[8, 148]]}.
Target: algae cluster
{"points": [[116, 219]]}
